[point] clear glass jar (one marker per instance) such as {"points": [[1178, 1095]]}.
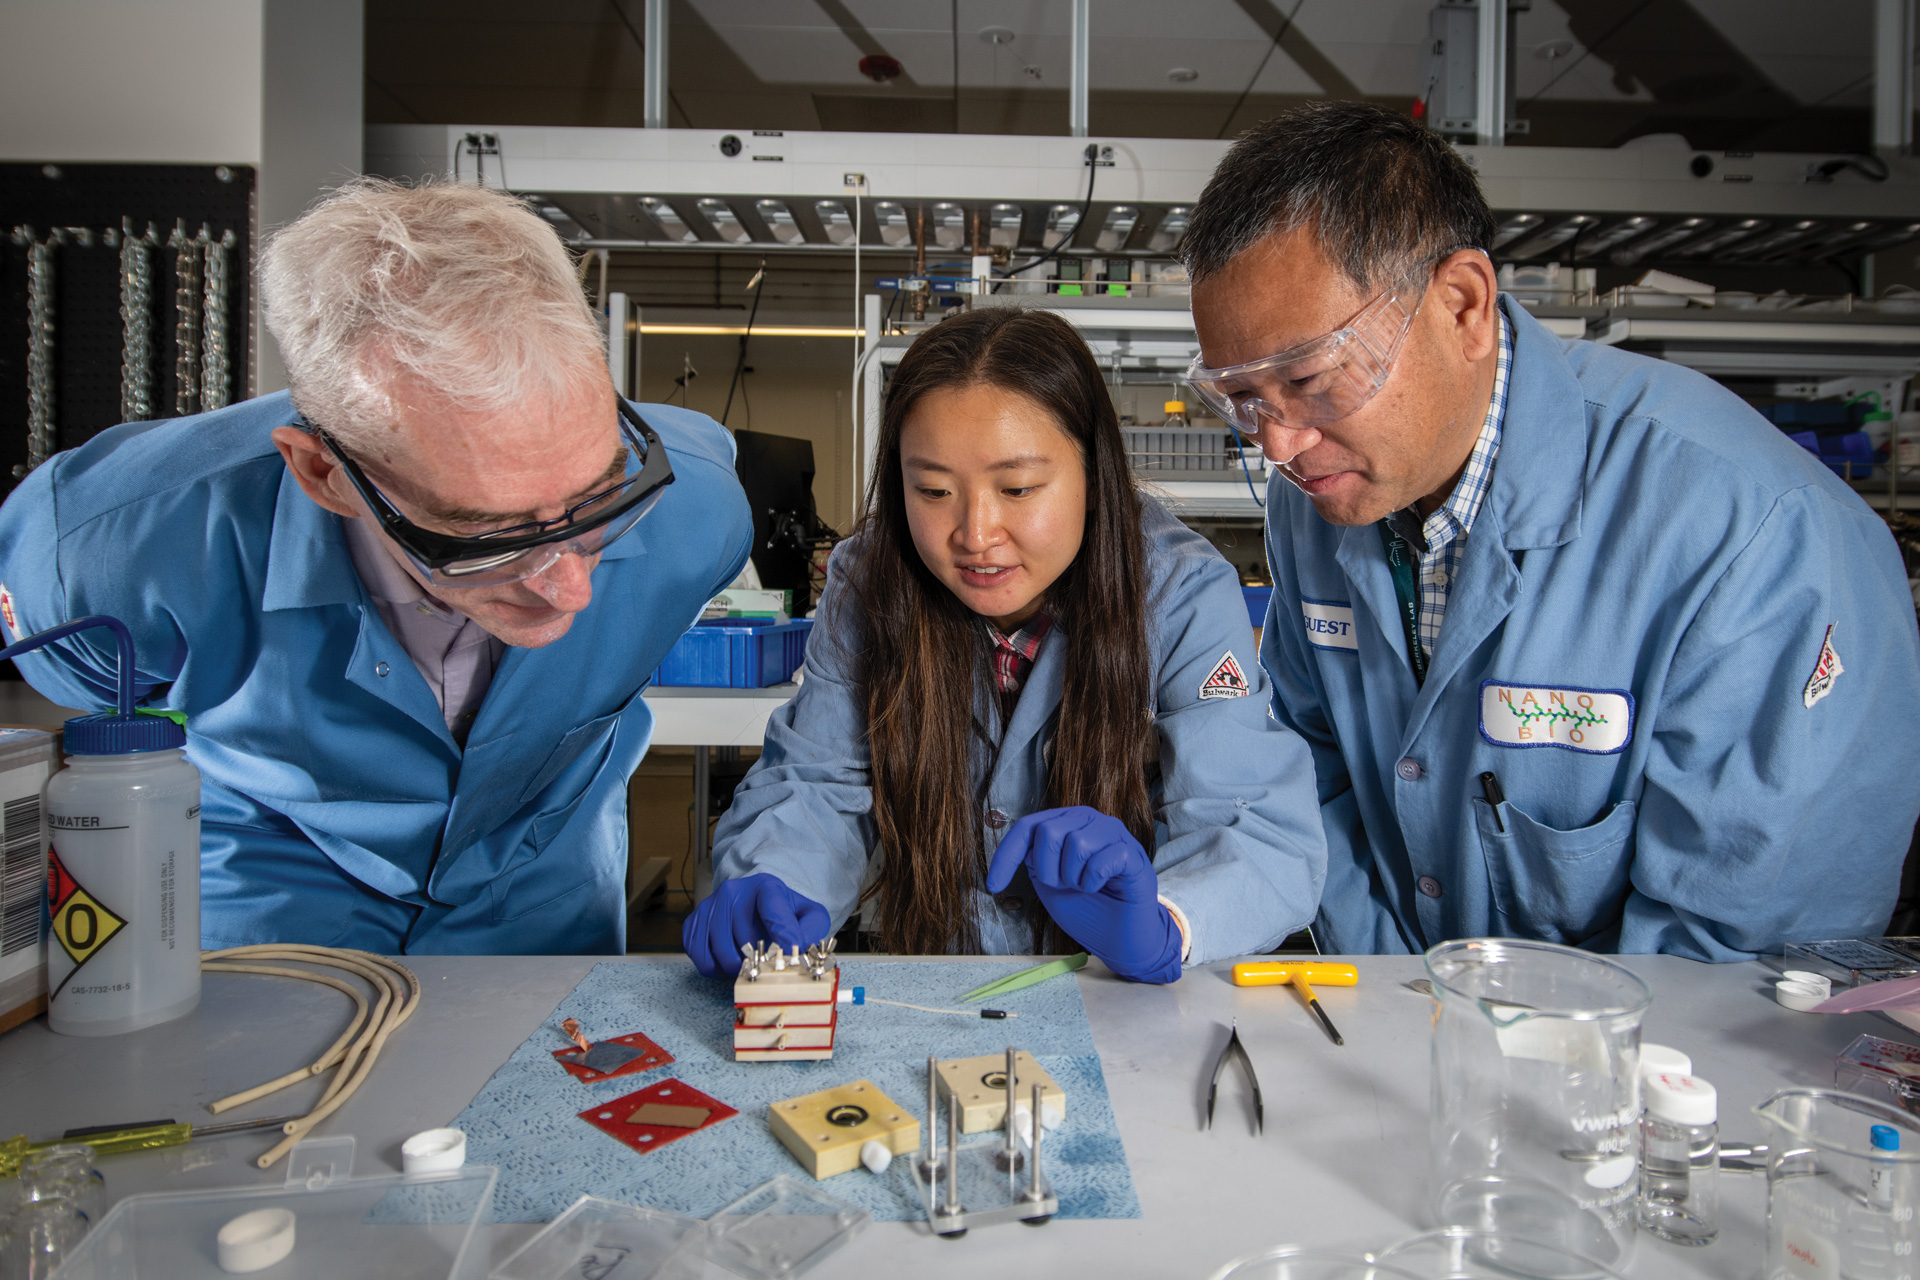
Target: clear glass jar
{"points": [[1680, 1160]]}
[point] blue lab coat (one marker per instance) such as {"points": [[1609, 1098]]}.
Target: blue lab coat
{"points": [[1238, 845], [337, 809], [1653, 546]]}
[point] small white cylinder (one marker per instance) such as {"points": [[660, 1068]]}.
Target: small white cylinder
{"points": [[434, 1151], [255, 1241]]}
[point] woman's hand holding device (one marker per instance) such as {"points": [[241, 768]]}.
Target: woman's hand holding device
{"points": [[751, 909], [1098, 884]]}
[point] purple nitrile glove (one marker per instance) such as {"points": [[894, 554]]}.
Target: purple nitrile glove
{"points": [[751, 909], [1098, 884]]}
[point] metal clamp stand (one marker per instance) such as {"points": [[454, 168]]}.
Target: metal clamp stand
{"points": [[988, 1172]]}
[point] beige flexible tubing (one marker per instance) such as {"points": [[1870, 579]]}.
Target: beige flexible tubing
{"points": [[351, 1056]]}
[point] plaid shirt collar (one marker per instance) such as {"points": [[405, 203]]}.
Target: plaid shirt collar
{"points": [[1454, 517], [1013, 655]]}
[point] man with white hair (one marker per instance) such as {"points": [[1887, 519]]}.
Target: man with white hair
{"points": [[370, 595]]}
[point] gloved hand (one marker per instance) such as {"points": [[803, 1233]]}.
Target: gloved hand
{"points": [[1098, 884], [751, 909]]}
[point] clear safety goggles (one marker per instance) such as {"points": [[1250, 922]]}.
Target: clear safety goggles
{"points": [[527, 550], [1316, 382]]}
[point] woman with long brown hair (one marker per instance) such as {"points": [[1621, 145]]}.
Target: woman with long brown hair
{"points": [[1022, 678]]}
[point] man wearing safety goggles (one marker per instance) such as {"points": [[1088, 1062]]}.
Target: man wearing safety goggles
{"points": [[407, 608], [1564, 625]]}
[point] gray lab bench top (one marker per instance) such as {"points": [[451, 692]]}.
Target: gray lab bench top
{"points": [[1343, 1162]]}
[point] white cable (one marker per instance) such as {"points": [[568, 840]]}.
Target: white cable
{"points": [[901, 1004]]}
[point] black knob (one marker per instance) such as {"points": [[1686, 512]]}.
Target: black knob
{"points": [[730, 145], [1702, 166]]}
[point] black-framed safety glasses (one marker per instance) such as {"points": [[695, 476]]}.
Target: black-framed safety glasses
{"points": [[525, 550]]}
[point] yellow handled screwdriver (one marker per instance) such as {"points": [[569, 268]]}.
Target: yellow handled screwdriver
{"points": [[107, 1140], [1301, 974]]}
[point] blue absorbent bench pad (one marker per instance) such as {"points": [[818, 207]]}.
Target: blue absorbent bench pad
{"points": [[525, 1118]]}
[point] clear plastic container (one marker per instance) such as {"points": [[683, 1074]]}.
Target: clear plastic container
{"points": [[1457, 1253], [602, 1237], [1292, 1262], [1535, 1108], [1680, 1160], [416, 1226]]}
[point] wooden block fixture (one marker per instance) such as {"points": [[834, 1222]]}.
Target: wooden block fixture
{"points": [[826, 1130], [786, 1007], [979, 1087]]}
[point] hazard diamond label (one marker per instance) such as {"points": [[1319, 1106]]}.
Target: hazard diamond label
{"points": [[82, 924], [1226, 680]]}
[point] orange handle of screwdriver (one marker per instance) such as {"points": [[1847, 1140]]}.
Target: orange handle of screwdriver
{"points": [[1275, 973]]}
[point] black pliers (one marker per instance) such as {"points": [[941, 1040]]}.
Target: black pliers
{"points": [[1213, 1088]]}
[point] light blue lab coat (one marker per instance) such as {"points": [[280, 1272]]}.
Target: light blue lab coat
{"points": [[1239, 848], [337, 809], [1647, 536]]}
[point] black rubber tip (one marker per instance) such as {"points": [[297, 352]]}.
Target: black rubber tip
{"points": [[951, 1235]]}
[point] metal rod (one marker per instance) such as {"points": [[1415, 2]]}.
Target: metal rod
{"points": [[1033, 1182], [654, 83], [1077, 75], [1893, 49], [953, 1157], [1490, 109], [932, 1167], [1013, 1097]]}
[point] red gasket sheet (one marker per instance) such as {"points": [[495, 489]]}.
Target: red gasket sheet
{"points": [[611, 1117], [651, 1056]]}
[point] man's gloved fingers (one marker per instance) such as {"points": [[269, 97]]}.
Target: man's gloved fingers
{"points": [[813, 920], [708, 940]]}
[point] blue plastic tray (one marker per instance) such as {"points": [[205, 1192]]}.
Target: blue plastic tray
{"points": [[736, 653]]}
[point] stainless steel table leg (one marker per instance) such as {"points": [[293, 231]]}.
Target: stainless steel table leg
{"points": [[702, 853]]}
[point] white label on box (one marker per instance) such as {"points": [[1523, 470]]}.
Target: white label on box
{"points": [[23, 870]]}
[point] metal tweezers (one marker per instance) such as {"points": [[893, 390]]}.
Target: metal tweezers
{"points": [[1213, 1088]]}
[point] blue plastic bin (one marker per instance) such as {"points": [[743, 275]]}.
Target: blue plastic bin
{"points": [[1257, 598], [736, 653]]}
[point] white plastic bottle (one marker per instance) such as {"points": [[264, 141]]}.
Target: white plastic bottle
{"points": [[123, 877]]}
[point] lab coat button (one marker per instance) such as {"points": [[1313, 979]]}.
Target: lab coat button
{"points": [[1429, 886], [380, 669], [1409, 770], [996, 819]]}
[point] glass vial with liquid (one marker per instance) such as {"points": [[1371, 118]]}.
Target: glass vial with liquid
{"points": [[1680, 1159]]}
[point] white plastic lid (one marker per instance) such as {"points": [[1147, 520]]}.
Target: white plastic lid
{"points": [[1682, 1099], [1656, 1059]]}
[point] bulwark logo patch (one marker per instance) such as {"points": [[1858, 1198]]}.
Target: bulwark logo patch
{"points": [[1825, 671], [82, 924], [1227, 680]]}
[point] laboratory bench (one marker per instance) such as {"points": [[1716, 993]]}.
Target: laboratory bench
{"points": [[1343, 1161]]}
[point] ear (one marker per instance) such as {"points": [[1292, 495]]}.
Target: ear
{"points": [[314, 469], [1467, 294]]}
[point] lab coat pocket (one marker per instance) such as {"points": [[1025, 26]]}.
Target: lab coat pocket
{"points": [[1557, 886]]}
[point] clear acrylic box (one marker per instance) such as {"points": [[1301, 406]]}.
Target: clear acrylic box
{"points": [[597, 1237], [389, 1225]]}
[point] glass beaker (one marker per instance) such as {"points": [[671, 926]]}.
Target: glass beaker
{"points": [[1840, 1199], [1536, 1094]]}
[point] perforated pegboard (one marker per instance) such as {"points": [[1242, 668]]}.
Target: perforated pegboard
{"points": [[87, 325]]}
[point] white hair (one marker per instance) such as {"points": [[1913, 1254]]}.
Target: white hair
{"points": [[458, 292]]}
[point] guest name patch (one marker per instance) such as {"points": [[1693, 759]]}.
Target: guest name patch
{"points": [[1596, 721], [1329, 625]]}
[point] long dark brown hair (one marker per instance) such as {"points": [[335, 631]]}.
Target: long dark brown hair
{"points": [[924, 721]]}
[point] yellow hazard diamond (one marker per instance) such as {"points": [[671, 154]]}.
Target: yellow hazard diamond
{"points": [[80, 921]]}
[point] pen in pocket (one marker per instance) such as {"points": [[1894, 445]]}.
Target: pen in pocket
{"points": [[1490, 787]]}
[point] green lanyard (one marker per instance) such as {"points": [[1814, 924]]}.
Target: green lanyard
{"points": [[1400, 560]]}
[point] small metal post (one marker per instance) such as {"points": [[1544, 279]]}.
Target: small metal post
{"points": [[1013, 1096], [930, 1167], [1033, 1184], [953, 1158]]}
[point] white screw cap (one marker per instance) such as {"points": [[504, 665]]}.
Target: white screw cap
{"points": [[1679, 1099]]}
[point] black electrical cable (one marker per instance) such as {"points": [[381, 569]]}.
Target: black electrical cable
{"points": [[1092, 154], [759, 288], [1273, 44]]}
